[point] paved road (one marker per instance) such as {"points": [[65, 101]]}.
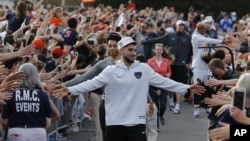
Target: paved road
{"points": [[181, 127]]}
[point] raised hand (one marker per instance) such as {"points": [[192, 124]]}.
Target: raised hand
{"points": [[5, 96], [18, 76], [25, 50], [60, 91], [213, 82], [197, 89], [239, 115], [222, 109], [9, 85], [221, 133]]}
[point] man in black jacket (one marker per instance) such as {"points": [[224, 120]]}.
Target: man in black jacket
{"points": [[180, 46]]}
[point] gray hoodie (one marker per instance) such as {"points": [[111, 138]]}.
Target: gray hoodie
{"points": [[98, 68]]}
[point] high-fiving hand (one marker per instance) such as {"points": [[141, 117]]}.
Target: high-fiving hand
{"points": [[60, 91]]}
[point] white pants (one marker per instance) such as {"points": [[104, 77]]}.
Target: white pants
{"points": [[27, 134], [151, 125], [202, 74], [95, 101]]}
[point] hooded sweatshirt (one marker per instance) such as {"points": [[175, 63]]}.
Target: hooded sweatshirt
{"points": [[126, 90]]}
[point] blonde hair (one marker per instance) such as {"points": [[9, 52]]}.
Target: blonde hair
{"points": [[244, 82], [56, 10]]}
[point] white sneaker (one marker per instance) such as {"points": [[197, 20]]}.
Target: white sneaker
{"points": [[196, 112], [74, 128], [61, 137], [176, 111]]}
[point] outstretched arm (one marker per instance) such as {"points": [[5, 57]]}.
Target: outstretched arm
{"points": [[97, 68]]}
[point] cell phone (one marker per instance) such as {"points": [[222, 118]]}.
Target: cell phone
{"points": [[90, 42], [88, 19], [80, 38], [239, 98], [55, 30], [76, 53], [24, 43], [7, 45], [60, 29], [59, 68], [27, 20]]}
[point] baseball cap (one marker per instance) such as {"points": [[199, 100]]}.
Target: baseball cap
{"points": [[243, 47], [241, 21], [98, 27], [42, 58], [38, 43], [208, 19], [58, 51], [125, 41], [158, 44], [169, 30], [179, 22]]}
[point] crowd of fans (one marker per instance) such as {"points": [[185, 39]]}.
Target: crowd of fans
{"points": [[63, 44]]}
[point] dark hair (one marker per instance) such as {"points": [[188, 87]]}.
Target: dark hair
{"points": [[80, 59], [220, 54], [101, 51], [9, 63], [20, 9], [72, 22], [9, 38], [44, 51], [114, 36], [216, 63], [141, 58]]}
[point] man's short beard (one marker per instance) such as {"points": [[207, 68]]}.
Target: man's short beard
{"points": [[127, 60]]}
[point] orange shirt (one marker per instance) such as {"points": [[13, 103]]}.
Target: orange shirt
{"points": [[56, 21], [164, 68], [131, 6]]}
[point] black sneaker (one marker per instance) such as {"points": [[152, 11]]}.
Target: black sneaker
{"points": [[171, 108], [158, 129], [162, 121]]}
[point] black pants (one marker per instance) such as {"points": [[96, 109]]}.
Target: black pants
{"points": [[125, 133], [102, 119], [198, 99], [160, 101]]}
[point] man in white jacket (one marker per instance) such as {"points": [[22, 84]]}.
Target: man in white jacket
{"points": [[126, 88], [200, 68]]}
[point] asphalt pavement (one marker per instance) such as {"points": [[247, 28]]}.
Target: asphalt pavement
{"points": [[178, 127]]}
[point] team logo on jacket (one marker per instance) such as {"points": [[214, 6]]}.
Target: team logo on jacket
{"points": [[138, 75]]}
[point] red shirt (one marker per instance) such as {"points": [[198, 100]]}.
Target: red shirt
{"points": [[164, 68]]}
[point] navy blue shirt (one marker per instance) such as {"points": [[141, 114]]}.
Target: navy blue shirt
{"points": [[27, 107], [70, 36], [226, 117], [14, 23]]}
